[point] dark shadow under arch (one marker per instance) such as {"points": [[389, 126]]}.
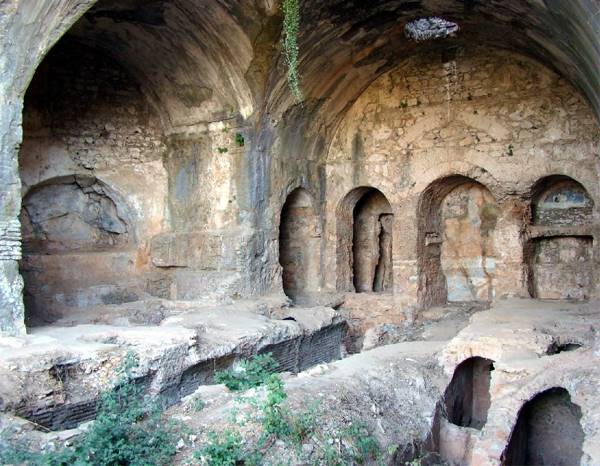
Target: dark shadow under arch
{"points": [[299, 245], [467, 397], [364, 242], [547, 432]]}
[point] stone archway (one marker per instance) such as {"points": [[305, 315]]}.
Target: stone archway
{"points": [[76, 238], [299, 245], [547, 432], [455, 249], [559, 255], [467, 397], [364, 252]]}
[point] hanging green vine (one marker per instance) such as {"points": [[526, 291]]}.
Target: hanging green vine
{"points": [[291, 27]]}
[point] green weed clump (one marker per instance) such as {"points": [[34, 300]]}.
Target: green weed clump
{"points": [[355, 445], [250, 373], [291, 28], [224, 449], [128, 431]]}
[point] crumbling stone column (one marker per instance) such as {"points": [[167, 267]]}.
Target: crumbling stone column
{"points": [[11, 284], [12, 313], [405, 250], [27, 31]]}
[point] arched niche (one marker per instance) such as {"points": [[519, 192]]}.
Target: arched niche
{"points": [[299, 245], [364, 243], [456, 257], [89, 118], [560, 254], [467, 397], [559, 200], [71, 225], [76, 213], [547, 432]]}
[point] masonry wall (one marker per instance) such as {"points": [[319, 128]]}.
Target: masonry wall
{"points": [[93, 183], [490, 116]]}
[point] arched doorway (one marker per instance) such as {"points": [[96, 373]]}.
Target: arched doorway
{"points": [[547, 432], [299, 245], [467, 397], [456, 256], [560, 262], [364, 252]]}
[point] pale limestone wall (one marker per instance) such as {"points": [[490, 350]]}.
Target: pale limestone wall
{"points": [[88, 116], [492, 116]]}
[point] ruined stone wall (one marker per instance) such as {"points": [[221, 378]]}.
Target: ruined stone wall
{"points": [[84, 103], [93, 182], [560, 253], [490, 116], [205, 252], [562, 267], [218, 57]]}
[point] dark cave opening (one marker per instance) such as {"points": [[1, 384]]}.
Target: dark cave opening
{"points": [[547, 432], [467, 397]]}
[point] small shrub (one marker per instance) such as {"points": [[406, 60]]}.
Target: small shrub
{"points": [[239, 140], [222, 150], [198, 405], [364, 446], [303, 425], [332, 456], [249, 374], [274, 421], [224, 449], [128, 431]]}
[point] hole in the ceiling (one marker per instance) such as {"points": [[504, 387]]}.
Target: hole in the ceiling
{"points": [[430, 28]]}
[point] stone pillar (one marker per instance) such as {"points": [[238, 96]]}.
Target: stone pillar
{"points": [[405, 250], [27, 30], [12, 317], [510, 277]]}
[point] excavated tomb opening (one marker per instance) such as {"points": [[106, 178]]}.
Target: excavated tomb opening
{"points": [[557, 348], [547, 432], [467, 398]]}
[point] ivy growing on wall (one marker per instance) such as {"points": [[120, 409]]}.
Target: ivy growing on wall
{"points": [[291, 26]]}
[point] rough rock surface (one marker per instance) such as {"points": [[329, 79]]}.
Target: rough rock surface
{"points": [[54, 375], [398, 390]]}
